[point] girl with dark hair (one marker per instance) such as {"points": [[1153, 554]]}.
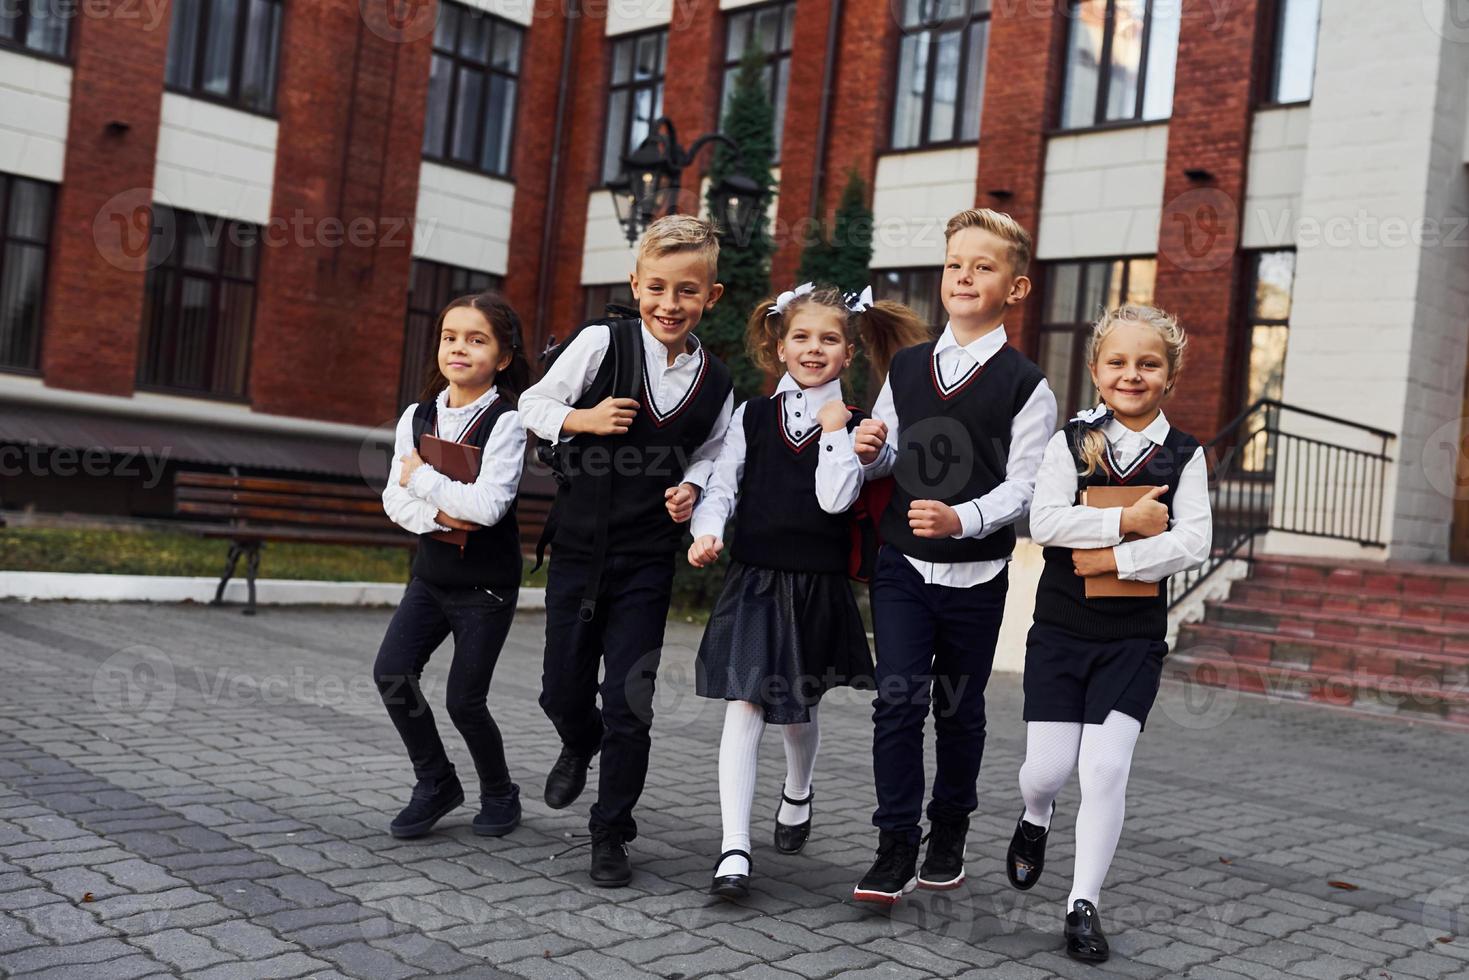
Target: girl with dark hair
{"points": [[467, 589]]}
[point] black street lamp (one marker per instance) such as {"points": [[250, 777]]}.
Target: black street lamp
{"points": [[652, 177]]}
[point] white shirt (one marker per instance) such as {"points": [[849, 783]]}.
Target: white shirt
{"points": [[545, 404], [838, 473], [484, 502], [1008, 501], [1057, 520]]}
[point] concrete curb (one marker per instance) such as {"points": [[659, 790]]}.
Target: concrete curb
{"points": [[52, 586]]}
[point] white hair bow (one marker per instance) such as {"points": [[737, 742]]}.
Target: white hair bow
{"points": [[1091, 418], [786, 298], [857, 302]]}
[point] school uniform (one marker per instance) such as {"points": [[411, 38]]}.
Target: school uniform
{"points": [[967, 425], [1088, 657], [470, 593], [673, 439], [786, 627]]}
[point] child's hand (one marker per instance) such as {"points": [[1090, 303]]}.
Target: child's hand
{"points": [[609, 417], [705, 551], [455, 523], [410, 462], [872, 435], [933, 519], [833, 416], [680, 501], [1147, 517], [1093, 561]]}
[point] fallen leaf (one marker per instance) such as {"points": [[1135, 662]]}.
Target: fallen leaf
{"points": [[1345, 886], [87, 897], [1225, 860], [1444, 939]]}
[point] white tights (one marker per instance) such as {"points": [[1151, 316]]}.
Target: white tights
{"points": [[739, 758], [1103, 754]]}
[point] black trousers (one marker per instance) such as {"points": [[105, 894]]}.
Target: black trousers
{"points": [[935, 647], [480, 620], [625, 639]]}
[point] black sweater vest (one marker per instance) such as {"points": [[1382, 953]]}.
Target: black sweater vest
{"points": [[641, 464], [491, 557], [778, 523], [953, 445], [1061, 600]]}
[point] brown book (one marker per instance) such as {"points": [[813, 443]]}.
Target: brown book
{"points": [[1109, 585], [458, 461]]}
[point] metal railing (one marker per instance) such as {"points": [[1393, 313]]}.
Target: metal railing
{"points": [[1266, 477]]}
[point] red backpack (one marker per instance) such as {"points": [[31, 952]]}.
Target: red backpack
{"points": [[865, 515]]}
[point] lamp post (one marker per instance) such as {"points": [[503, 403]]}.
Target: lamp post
{"points": [[652, 176]]}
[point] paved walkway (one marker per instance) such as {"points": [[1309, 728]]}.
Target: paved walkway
{"points": [[188, 791]]}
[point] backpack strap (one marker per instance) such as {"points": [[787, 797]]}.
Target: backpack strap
{"points": [[626, 349]]}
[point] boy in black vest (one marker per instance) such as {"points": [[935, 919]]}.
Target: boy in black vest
{"points": [[961, 423], [636, 466]]}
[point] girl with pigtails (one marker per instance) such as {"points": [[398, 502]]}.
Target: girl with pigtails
{"points": [[786, 628]]}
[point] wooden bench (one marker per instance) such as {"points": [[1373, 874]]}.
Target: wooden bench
{"points": [[259, 510]]}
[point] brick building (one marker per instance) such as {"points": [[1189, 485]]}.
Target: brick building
{"points": [[227, 224]]}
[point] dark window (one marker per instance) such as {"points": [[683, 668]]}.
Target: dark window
{"points": [[1267, 328], [635, 95], [940, 80], [472, 86], [597, 297], [1077, 293], [769, 29], [25, 228], [199, 304], [1293, 69], [917, 289], [430, 288], [43, 26], [226, 50], [1120, 58]]}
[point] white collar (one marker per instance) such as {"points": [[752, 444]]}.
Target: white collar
{"points": [[1155, 431], [657, 347], [483, 401], [981, 349], [818, 396]]}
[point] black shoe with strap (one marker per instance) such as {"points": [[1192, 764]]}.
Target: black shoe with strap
{"points": [[610, 866], [893, 874], [1084, 938], [567, 778], [1027, 855], [432, 801], [732, 886], [943, 865], [790, 838]]}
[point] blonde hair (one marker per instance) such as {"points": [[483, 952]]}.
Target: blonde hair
{"points": [[1002, 226], [681, 233], [884, 328], [1175, 342]]}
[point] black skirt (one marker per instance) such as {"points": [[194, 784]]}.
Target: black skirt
{"points": [[1073, 678], [781, 640]]}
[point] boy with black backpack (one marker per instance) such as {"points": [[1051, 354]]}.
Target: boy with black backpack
{"points": [[636, 411]]}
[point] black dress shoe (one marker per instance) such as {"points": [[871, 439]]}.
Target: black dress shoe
{"points": [[499, 813], [1027, 855], [893, 874], [1084, 939], [790, 838], [943, 864], [567, 778], [610, 867], [432, 801], [732, 886]]}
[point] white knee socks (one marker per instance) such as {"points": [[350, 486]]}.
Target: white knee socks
{"points": [[802, 742], [739, 759]]}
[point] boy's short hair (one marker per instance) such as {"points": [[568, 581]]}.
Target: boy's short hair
{"points": [[1001, 225], [681, 233]]}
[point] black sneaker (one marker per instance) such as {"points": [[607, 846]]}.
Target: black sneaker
{"points": [[1084, 939], [610, 867], [892, 874], [943, 865], [567, 778], [499, 813], [431, 802]]}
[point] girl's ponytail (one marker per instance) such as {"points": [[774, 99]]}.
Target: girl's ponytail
{"points": [[763, 332], [886, 328], [1092, 445]]}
